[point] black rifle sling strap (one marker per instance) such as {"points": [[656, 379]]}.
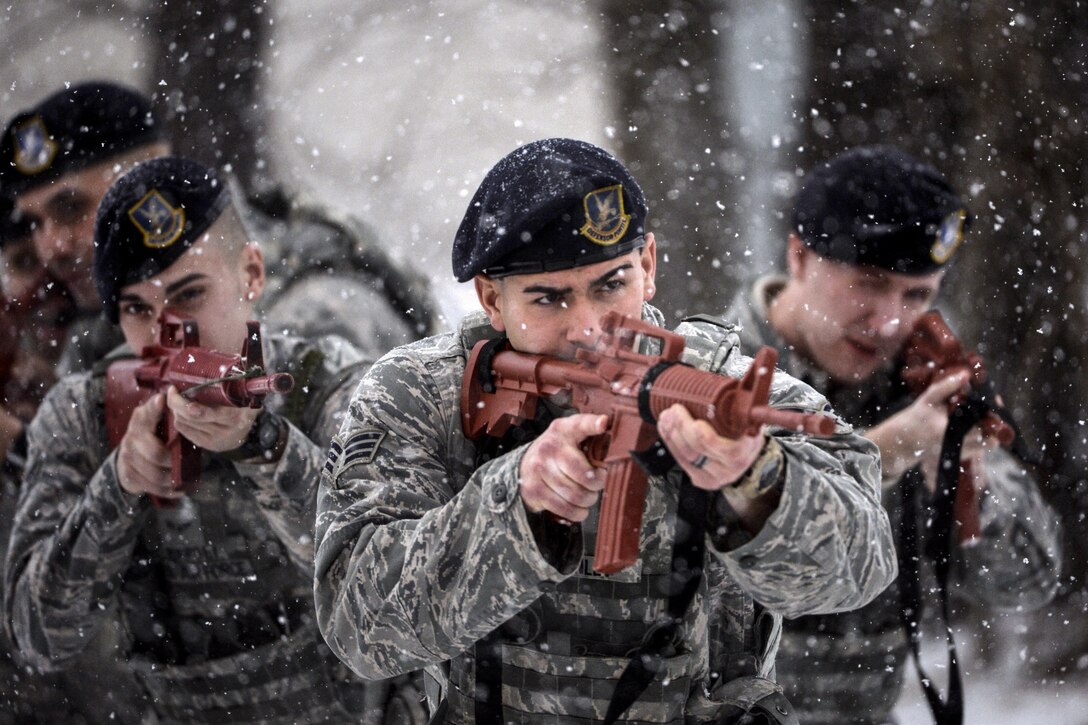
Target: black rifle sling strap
{"points": [[688, 550], [975, 406], [945, 712], [687, 572]]}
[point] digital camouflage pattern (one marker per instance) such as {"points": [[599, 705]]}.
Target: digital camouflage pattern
{"points": [[422, 551], [88, 338], [849, 667], [214, 594], [327, 275]]}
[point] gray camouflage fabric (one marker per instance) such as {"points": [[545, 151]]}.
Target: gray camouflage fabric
{"points": [[849, 667], [422, 552], [90, 337], [214, 594], [326, 275]]}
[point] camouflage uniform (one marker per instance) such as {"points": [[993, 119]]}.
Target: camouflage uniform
{"points": [[214, 594], [848, 668], [323, 278], [89, 337], [422, 552], [326, 276]]}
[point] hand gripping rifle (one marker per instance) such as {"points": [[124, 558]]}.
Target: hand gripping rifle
{"points": [[205, 376], [502, 387], [933, 353]]}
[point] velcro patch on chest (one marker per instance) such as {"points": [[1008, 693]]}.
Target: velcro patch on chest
{"points": [[359, 448]]}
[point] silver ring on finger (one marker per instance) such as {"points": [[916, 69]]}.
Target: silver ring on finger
{"points": [[700, 461]]}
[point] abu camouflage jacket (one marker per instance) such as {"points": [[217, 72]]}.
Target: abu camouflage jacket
{"points": [[849, 667], [422, 551], [214, 594]]}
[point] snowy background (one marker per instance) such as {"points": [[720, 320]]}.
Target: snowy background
{"points": [[396, 110]]}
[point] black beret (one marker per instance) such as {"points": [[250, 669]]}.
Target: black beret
{"points": [[148, 218], [72, 129], [877, 206], [549, 205]]}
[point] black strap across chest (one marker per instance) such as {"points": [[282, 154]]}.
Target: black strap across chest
{"points": [[662, 638], [938, 546]]}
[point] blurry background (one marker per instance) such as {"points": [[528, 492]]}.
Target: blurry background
{"points": [[395, 109]]}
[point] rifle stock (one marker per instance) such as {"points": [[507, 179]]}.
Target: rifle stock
{"points": [[502, 387]]}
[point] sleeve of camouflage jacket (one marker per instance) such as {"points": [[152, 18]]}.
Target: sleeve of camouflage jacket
{"points": [[1017, 560], [330, 304], [828, 545], [286, 493], [74, 530], [286, 489], [402, 538]]}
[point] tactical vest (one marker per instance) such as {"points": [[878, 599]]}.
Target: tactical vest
{"points": [[562, 657], [220, 620]]}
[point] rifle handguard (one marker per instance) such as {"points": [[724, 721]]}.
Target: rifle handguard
{"points": [[205, 376], [632, 390]]}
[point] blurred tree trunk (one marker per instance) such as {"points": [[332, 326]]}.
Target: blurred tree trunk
{"points": [[996, 96], [209, 68], [662, 61]]}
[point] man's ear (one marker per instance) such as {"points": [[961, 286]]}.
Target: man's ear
{"points": [[489, 292], [796, 256], [252, 269], [648, 260]]}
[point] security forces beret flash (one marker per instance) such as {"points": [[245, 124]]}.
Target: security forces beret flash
{"points": [[550, 205], [71, 129], [150, 217], [877, 206]]}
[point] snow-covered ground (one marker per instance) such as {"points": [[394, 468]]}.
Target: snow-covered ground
{"points": [[998, 687], [1001, 696]]}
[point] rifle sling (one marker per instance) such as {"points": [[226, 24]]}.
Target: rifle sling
{"points": [[945, 712], [485, 375], [938, 546], [688, 550]]}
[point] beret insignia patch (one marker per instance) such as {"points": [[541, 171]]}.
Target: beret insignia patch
{"points": [[34, 149], [606, 221], [160, 223], [949, 236]]}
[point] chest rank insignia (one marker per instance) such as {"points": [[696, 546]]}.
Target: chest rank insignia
{"points": [[160, 223], [949, 236], [605, 220], [34, 150]]}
